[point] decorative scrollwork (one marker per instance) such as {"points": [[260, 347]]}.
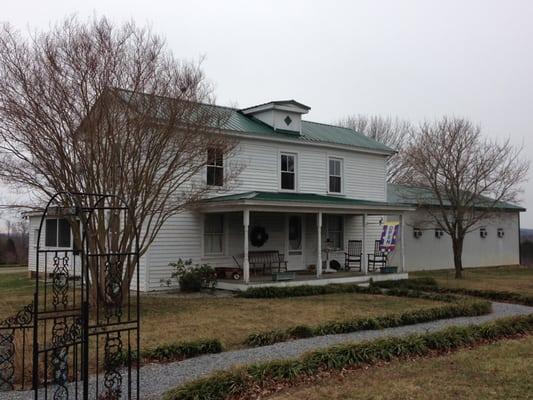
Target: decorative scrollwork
{"points": [[60, 277], [112, 361], [8, 328], [113, 287]]}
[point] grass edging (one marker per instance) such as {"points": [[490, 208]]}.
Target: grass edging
{"points": [[468, 309], [221, 385], [429, 284], [176, 351]]}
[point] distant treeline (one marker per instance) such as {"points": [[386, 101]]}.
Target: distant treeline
{"points": [[14, 248]]}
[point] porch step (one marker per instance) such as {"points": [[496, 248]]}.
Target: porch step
{"points": [[299, 281]]}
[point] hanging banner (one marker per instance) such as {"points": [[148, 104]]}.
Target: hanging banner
{"points": [[389, 237]]}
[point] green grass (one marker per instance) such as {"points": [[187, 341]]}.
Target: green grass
{"points": [[507, 278], [495, 371]]}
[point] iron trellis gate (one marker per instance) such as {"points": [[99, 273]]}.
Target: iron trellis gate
{"points": [[85, 314]]}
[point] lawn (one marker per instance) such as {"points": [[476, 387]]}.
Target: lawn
{"points": [[496, 371], [510, 278], [172, 318]]}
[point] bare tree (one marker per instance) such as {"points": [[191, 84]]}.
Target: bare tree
{"points": [[465, 178], [93, 107], [392, 132]]}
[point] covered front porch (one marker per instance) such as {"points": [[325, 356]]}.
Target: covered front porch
{"points": [[311, 235]]}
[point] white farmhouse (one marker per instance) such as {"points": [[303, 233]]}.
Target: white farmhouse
{"points": [[311, 198]]}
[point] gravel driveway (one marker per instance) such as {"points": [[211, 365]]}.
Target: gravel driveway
{"points": [[157, 378]]}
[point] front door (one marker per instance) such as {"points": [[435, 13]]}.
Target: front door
{"points": [[295, 242]]}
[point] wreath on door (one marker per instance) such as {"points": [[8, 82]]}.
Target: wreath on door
{"points": [[258, 236]]}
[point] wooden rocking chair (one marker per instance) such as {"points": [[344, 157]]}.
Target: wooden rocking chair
{"points": [[378, 257], [353, 258]]}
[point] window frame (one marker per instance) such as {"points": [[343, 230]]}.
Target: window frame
{"points": [[340, 160], [57, 234], [281, 172], [216, 166], [341, 231], [222, 234]]}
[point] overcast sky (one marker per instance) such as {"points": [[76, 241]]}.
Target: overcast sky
{"points": [[412, 59]]}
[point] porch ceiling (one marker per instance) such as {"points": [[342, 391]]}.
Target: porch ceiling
{"points": [[302, 202]]}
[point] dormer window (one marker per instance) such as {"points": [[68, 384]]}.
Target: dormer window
{"points": [[282, 115], [215, 167], [288, 171]]}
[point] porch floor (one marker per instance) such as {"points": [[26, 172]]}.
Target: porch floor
{"points": [[307, 278]]}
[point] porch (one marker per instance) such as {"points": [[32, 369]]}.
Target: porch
{"points": [[309, 233], [306, 278]]}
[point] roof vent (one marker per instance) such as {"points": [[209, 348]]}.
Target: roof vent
{"points": [[283, 116]]}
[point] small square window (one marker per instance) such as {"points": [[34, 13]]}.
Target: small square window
{"points": [[57, 233]]}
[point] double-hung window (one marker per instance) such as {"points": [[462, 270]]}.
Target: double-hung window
{"points": [[214, 234], [288, 171], [335, 231], [215, 167], [335, 175], [57, 232]]}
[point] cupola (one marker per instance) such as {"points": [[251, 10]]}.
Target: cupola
{"points": [[283, 115]]}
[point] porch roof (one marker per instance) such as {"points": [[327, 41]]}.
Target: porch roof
{"points": [[301, 200]]}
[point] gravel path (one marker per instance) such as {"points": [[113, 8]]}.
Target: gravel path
{"points": [[157, 378]]}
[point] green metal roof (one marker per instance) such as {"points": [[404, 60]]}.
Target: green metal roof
{"points": [[402, 194], [300, 198], [312, 132], [232, 119]]}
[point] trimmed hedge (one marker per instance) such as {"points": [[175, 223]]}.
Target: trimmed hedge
{"points": [[430, 285], [179, 351], [469, 308], [175, 351], [220, 386], [274, 292]]}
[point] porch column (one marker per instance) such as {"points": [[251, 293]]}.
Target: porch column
{"points": [[246, 263], [363, 256], [402, 242], [319, 244]]}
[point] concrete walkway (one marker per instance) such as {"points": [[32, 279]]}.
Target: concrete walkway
{"points": [[158, 378]]}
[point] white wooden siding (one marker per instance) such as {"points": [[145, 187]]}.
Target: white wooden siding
{"points": [[47, 266], [364, 174], [428, 252]]}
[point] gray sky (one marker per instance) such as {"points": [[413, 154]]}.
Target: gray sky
{"points": [[413, 59]]}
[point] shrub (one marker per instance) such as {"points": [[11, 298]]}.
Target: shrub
{"points": [[190, 282], [270, 292], [179, 351], [469, 308], [430, 285], [220, 386], [192, 278]]}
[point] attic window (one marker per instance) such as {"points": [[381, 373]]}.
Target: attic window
{"points": [[288, 120]]}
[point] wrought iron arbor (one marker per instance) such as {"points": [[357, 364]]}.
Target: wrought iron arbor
{"points": [[85, 315]]}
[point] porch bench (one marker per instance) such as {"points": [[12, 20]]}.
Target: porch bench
{"points": [[267, 260]]}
